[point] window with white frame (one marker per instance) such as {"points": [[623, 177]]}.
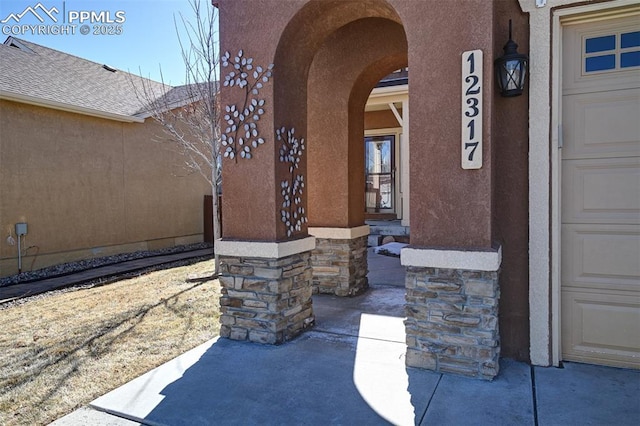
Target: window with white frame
{"points": [[611, 52]]}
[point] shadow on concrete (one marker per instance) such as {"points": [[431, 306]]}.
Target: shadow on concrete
{"points": [[348, 370]]}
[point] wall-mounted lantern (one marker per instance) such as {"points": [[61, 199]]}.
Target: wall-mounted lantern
{"points": [[511, 69]]}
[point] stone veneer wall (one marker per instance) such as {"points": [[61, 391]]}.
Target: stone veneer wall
{"points": [[340, 266], [452, 321], [265, 300]]}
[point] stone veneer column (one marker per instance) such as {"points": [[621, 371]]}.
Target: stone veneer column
{"points": [[339, 260], [266, 289], [452, 311]]}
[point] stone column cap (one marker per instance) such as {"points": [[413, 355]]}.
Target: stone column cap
{"points": [[263, 249], [339, 233], [474, 260]]}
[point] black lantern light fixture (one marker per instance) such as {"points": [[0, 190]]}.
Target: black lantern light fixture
{"points": [[511, 69]]}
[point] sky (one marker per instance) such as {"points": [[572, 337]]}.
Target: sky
{"points": [[143, 34]]}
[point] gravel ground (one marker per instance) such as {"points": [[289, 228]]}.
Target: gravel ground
{"points": [[66, 268], [113, 278]]}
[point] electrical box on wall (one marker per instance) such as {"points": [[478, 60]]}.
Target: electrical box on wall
{"points": [[21, 229]]}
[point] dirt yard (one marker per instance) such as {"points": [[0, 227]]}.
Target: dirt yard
{"points": [[60, 351]]}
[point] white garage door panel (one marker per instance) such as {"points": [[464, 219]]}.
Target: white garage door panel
{"points": [[601, 124], [601, 328], [601, 191], [601, 257]]}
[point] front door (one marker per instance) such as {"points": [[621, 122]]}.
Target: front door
{"points": [[600, 265], [380, 174]]}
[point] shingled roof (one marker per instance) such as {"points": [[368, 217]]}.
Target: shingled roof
{"points": [[39, 75], [396, 78]]}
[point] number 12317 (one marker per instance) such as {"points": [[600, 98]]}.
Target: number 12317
{"points": [[471, 109]]}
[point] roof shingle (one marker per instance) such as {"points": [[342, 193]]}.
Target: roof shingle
{"points": [[35, 71]]}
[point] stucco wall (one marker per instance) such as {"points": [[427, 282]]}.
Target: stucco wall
{"points": [[452, 205], [250, 186], [381, 120], [511, 200], [288, 34], [90, 187], [370, 49]]}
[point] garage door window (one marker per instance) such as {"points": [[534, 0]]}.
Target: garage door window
{"points": [[611, 52]]}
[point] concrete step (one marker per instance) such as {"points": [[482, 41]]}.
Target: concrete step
{"points": [[389, 230], [378, 229]]}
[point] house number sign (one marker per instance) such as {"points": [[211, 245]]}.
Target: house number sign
{"points": [[472, 109]]}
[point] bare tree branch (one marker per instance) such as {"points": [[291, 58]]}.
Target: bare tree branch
{"points": [[189, 114]]}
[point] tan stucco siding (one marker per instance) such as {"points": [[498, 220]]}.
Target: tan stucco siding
{"points": [[90, 186], [380, 120]]}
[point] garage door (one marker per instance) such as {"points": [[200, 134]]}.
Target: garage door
{"points": [[600, 265]]}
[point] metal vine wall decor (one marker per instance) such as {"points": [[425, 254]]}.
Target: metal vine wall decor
{"points": [[242, 134], [292, 213]]}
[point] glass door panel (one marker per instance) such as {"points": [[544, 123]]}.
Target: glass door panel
{"points": [[379, 173]]}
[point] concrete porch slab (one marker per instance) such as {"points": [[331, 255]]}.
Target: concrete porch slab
{"points": [[350, 369], [588, 395], [385, 270], [507, 400], [319, 378], [343, 315]]}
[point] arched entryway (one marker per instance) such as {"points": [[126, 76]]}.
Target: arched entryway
{"points": [[338, 90], [328, 58], [294, 182]]}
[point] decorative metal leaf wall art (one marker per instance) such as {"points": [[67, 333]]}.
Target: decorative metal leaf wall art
{"points": [[241, 134], [292, 213]]}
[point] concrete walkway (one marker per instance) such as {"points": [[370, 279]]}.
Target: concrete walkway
{"points": [[350, 370]]}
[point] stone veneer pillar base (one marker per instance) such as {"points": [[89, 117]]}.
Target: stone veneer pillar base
{"points": [[265, 299], [339, 260], [452, 311]]}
